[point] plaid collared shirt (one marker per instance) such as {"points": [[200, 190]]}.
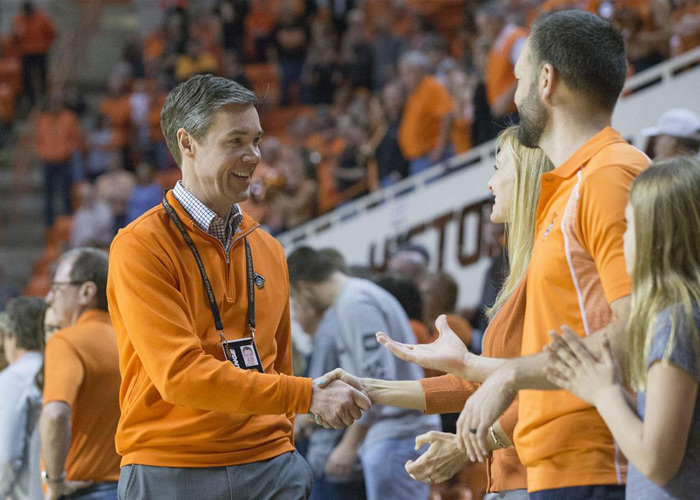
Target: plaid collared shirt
{"points": [[206, 219]]}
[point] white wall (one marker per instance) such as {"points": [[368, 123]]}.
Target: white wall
{"points": [[440, 210]]}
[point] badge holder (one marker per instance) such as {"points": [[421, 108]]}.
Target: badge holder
{"points": [[243, 353]]}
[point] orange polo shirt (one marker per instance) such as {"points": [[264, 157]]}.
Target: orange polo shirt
{"points": [[576, 270], [448, 393], [82, 369], [422, 116], [183, 404]]}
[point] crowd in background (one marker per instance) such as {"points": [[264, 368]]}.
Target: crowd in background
{"points": [[356, 95]]}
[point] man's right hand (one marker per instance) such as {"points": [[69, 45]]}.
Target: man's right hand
{"points": [[338, 404]]}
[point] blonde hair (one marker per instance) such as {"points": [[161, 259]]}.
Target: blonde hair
{"points": [[529, 165], [666, 270]]}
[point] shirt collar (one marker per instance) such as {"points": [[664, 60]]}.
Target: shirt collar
{"points": [[589, 149], [204, 216]]}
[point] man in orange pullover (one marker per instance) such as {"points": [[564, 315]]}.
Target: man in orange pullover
{"points": [[194, 283]]}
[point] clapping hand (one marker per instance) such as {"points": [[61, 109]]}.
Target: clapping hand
{"points": [[441, 461], [574, 368]]}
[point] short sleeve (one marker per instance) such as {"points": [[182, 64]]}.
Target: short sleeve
{"points": [[601, 224], [63, 371], [684, 344]]}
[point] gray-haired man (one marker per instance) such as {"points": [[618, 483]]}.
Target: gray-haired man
{"points": [[194, 284]]}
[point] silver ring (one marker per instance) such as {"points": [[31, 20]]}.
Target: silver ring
{"points": [[430, 479]]}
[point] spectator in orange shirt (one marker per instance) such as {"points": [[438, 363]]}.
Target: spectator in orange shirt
{"points": [[35, 32], [506, 41], [427, 117], [57, 138], [81, 387]]}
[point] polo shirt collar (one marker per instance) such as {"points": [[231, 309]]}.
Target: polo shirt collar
{"points": [[589, 149], [93, 315]]}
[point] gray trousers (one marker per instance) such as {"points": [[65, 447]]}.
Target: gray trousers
{"points": [[286, 477]]}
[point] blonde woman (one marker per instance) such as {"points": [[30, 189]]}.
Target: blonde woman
{"points": [[515, 185], [662, 249]]}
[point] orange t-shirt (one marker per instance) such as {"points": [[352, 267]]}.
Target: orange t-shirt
{"points": [[118, 109], [576, 270], [183, 404], [420, 124], [36, 33], [499, 67], [57, 136], [82, 369], [448, 393]]}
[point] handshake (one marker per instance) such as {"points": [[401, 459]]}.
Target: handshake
{"points": [[337, 400]]}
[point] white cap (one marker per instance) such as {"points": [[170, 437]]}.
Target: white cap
{"points": [[676, 122]]}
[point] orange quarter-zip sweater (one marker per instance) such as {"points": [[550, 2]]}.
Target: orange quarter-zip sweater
{"points": [[182, 404]]}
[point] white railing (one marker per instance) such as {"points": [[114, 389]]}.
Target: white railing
{"points": [[440, 207]]}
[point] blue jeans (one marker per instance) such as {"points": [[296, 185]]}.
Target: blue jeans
{"points": [[98, 491], [600, 492], [58, 177], [385, 477]]}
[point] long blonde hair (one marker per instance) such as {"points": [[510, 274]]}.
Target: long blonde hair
{"points": [[665, 203], [530, 164]]}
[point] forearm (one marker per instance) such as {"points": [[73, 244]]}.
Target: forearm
{"points": [[626, 427], [479, 368], [354, 436], [399, 393], [55, 434]]}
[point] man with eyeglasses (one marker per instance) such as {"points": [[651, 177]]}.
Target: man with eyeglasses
{"points": [[81, 388]]}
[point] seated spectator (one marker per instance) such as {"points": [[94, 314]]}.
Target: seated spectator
{"points": [[440, 291], [139, 102], [386, 50], [322, 73], [351, 169], [676, 133], [232, 15], [391, 164], [410, 261], [506, 41], [233, 69], [101, 148], [461, 88], [57, 138], [20, 399], [116, 106], [686, 26], [93, 222], [158, 153], [296, 203], [145, 195], [409, 296], [437, 50], [195, 61], [356, 51], [114, 187], [427, 117], [259, 25], [646, 27], [290, 37], [35, 33]]}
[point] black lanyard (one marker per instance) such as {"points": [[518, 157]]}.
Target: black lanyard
{"points": [[205, 279]]}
